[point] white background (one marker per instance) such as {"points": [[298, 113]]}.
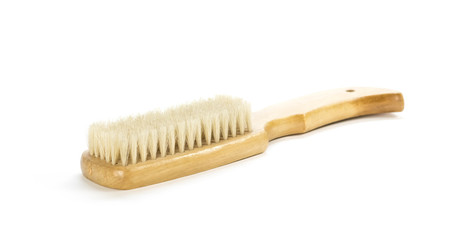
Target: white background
{"points": [[66, 64]]}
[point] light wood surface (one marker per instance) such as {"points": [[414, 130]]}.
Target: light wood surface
{"points": [[293, 117]]}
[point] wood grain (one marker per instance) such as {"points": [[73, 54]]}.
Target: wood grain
{"points": [[293, 117]]}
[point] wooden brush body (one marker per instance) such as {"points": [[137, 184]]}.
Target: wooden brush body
{"points": [[293, 117]]}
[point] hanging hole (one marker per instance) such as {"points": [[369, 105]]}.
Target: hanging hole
{"points": [[350, 90]]}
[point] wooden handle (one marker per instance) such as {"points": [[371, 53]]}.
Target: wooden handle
{"points": [[296, 116], [310, 112]]}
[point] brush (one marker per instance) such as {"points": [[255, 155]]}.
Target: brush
{"points": [[163, 145]]}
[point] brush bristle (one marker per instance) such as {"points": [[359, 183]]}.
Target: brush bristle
{"points": [[156, 134]]}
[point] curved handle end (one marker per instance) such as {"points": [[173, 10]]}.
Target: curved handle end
{"points": [[310, 112]]}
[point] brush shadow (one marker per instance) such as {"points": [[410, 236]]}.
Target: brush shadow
{"points": [[106, 192]]}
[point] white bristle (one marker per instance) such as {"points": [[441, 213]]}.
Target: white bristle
{"points": [[143, 139], [163, 141], [207, 128], [133, 146], [191, 127], [101, 142], [241, 122], [181, 135], [216, 127], [91, 142], [232, 123], [224, 124], [153, 141], [171, 136], [198, 132], [114, 146], [107, 146], [156, 134], [124, 147]]}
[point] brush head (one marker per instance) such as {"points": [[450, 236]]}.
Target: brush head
{"points": [[155, 134]]}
